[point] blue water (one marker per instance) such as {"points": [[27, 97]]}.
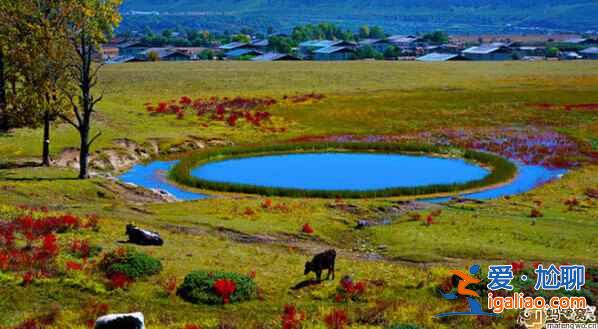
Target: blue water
{"points": [[340, 171], [153, 176], [528, 177]]}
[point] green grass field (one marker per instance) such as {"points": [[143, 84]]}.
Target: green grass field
{"points": [[234, 232]]}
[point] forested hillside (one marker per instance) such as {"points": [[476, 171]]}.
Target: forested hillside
{"points": [[399, 16]]}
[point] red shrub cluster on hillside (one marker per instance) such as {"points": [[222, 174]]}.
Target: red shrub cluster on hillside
{"points": [[566, 107], [225, 109], [80, 248], [291, 318], [530, 146], [93, 310], [40, 322], [39, 247], [304, 98], [349, 290], [119, 280], [337, 319]]}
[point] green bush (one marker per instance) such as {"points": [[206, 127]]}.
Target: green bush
{"points": [[198, 287], [132, 263]]}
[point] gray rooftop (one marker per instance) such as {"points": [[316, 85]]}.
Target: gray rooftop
{"points": [[267, 57], [331, 50], [437, 57], [233, 45], [588, 51]]}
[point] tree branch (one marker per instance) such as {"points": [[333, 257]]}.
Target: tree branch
{"points": [[94, 138], [67, 119]]}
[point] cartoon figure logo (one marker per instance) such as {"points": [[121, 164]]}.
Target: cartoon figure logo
{"points": [[475, 308]]}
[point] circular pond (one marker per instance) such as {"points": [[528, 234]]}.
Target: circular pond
{"points": [[347, 170], [341, 171]]}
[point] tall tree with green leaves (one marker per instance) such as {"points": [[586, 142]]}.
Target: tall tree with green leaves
{"points": [[35, 65], [90, 25]]}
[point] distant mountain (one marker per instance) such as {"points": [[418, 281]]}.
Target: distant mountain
{"points": [[396, 16]]}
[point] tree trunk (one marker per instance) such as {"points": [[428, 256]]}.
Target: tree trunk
{"points": [[46, 146], [84, 152], [3, 116]]}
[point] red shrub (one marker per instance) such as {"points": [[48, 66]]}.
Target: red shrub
{"points": [[170, 286], [80, 248], [93, 310], [535, 213], [224, 288], [27, 278], [350, 290], [191, 326], [267, 204], [307, 229], [120, 280], [74, 266], [429, 220], [337, 319], [517, 266], [185, 101], [291, 319]]}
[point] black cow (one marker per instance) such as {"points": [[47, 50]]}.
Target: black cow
{"points": [[320, 262], [143, 237], [121, 321]]}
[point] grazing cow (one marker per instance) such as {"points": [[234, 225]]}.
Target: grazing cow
{"points": [[121, 321], [143, 237], [320, 262]]}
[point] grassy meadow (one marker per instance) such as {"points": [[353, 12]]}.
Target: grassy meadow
{"points": [[403, 263]]}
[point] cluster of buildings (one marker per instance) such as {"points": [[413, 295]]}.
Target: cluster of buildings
{"points": [[407, 47]]}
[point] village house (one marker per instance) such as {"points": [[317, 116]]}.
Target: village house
{"points": [[438, 57], [403, 41], [334, 53], [163, 54], [110, 52], [272, 57], [530, 51], [589, 53], [242, 53], [489, 52], [259, 45], [232, 46], [131, 48], [307, 49], [379, 45]]}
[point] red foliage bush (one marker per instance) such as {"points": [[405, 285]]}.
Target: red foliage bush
{"points": [[517, 266], [191, 326], [93, 310], [29, 245], [535, 213], [74, 266], [170, 286], [224, 288], [119, 280], [337, 319], [249, 109], [307, 229], [291, 318], [81, 248], [349, 290]]}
